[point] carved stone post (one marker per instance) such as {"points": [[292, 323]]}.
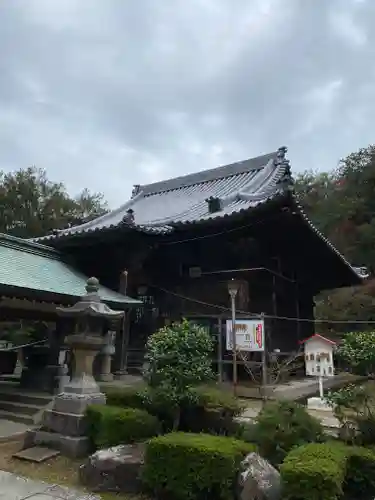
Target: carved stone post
{"points": [[106, 362], [64, 426]]}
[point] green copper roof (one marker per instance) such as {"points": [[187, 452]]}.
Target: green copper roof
{"points": [[24, 264]]}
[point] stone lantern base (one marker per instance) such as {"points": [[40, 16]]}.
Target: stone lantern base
{"points": [[64, 424]]}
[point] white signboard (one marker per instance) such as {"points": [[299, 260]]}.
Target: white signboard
{"points": [[249, 335], [319, 357]]}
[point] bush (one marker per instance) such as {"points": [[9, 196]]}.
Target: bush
{"points": [[125, 397], [357, 349], [142, 398], [194, 466], [314, 472], [209, 410], [281, 426], [110, 425], [360, 474], [328, 471], [213, 412], [353, 406], [178, 358]]}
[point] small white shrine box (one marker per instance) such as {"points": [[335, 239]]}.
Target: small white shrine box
{"points": [[319, 356]]}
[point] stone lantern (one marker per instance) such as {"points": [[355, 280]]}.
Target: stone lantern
{"points": [[63, 425], [92, 318]]}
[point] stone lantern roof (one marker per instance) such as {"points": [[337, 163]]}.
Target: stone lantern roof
{"points": [[90, 305]]}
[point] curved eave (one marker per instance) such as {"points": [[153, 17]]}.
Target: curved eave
{"points": [[126, 228], [359, 274]]}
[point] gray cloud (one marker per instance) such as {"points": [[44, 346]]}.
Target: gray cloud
{"points": [[107, 94]]}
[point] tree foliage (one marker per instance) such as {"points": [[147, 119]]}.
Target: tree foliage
{"points": [[342, 205], [178, 358], [357, 349], [32, 206]]}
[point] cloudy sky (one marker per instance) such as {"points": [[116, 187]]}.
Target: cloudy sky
{"points": [[105, 94]]}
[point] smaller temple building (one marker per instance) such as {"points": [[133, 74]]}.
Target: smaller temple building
{"points": [[34, 281]]}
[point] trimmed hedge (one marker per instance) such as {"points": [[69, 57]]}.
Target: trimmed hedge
{"points": [[360, 474], [110, 425], [314, 472], [193, 466], [125, 397], [213, 412], [328, 471], [141, 398]]}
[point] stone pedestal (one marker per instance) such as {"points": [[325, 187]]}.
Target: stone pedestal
{"points": [[318, 404]]}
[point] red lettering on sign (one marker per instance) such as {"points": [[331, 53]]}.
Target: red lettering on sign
{"points": [[258, 335]]}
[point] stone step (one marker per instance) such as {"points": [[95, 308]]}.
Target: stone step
{"points": [[17, 407], [9, 378], [17, 417], [20, 405], [19, 396], [36, 454], [13, 431]]}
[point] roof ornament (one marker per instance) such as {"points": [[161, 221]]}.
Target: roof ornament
{"points": [[92, 285], [286, 180], [128, 218], [136, 190], [214, 204], [363, 272]]}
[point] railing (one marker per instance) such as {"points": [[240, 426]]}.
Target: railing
{"points": [[16, 347]]}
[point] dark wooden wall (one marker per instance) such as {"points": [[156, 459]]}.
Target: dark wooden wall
{"points": [[270, 282]]}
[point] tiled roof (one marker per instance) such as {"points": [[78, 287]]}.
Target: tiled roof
{"points": [[24, 264], [160, 206]]}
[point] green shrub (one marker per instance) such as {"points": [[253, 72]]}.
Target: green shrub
{"points": [[360, 474], [193, 466], [213, 412], [142, 398], [209, 410], [354, 408], [125, 397], [283, 425], [110, 425], [328, 471], [247, 431], [179, 357], [314, 472]]}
